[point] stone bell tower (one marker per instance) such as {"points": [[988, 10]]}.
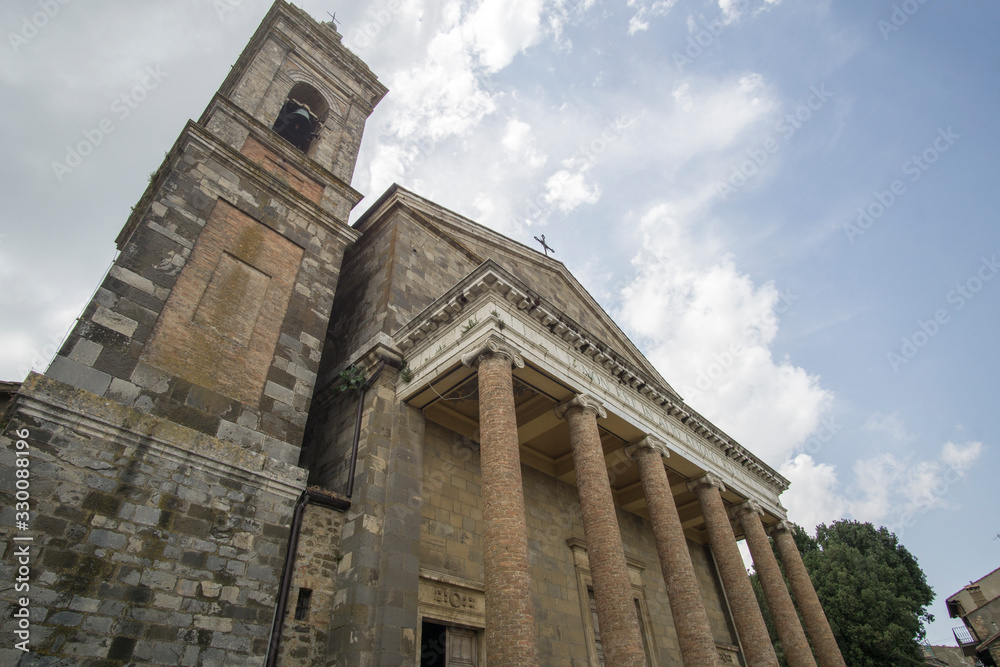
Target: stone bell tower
{"points": [[164, 438], [213, 313]]}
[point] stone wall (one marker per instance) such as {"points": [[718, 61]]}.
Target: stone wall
{"points": [[393, 272], [152, 542], [304, 640]]}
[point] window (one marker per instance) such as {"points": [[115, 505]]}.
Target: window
{"points": [[302, 604]]}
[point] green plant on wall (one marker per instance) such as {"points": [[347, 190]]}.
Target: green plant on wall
{"points": [[351, 379], [469, 326], [406, 373]]}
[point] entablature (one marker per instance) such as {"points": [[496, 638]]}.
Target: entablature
{"points": [[492, 303]]}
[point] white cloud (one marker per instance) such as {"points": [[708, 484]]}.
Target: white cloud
{"points": [[814, 496], [885, 489], [498, 30], [708, 328], [961, 458], [519, 143], [567, 189]]}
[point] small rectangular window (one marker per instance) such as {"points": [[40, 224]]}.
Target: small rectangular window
{"points": [[302, 605]]}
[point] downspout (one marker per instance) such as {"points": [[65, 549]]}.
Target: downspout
{"points": [[300, 507], [357, 427], [323, 500]]}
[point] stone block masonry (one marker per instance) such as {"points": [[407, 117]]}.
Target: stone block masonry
{"points": [[214, 312], [153, 543]]}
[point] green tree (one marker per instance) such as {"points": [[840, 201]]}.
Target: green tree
{"points": [[873, 591]]}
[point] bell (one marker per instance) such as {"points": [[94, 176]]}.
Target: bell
{"points": [[303, 113]]}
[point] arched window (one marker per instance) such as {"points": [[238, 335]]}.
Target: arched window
{"points": [[302, 116]]}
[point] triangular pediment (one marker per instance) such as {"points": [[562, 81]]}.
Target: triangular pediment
{"points": [[541, 277]]}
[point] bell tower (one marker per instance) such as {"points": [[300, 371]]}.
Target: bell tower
{"points": [[214, 312]]}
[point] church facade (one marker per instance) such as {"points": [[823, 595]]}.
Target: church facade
{"points": [[276, 438]]}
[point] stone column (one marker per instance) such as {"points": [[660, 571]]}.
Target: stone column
{"points": [[779, 602], [756, 643], [510, 613], [827, 652], [608, 569], [694, 633]]}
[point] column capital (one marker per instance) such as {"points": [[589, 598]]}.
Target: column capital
{"points": [[782, 527], [492, 346], [650, 442], [709, 479], [581, 402], [751, 506]]}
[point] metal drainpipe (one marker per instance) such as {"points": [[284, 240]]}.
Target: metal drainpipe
{"points": [[293, 539], [286, 575], [357, 427]]}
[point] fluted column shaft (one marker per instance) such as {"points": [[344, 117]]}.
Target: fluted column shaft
{"points": [[616, 616], [750, 625], [827, 652], [694, 633], [510, 613], [779, 602]]}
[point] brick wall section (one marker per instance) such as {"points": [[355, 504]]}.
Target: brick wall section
{"points": [[612, 590], [510, 617], [753, 634], [105, 352], [304, 642], [273, 163], [153, 543], [226, 309], [779, 602], [827, 652], [687, 609]]}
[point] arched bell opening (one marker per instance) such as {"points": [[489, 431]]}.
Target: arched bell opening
{"points": [[301, 118]]}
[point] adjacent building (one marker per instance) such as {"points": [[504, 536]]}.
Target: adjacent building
{"points": [[978, 605], [274, 437]]}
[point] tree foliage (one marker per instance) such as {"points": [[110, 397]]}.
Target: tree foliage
{"points": [[873, 591]]}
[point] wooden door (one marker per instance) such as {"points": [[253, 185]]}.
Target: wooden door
{"points": [[463, 648]]}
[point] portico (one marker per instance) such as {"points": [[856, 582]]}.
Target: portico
{"points": [[587, 416]]}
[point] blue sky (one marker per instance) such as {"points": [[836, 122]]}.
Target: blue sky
{"points": [[789, 206]]}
